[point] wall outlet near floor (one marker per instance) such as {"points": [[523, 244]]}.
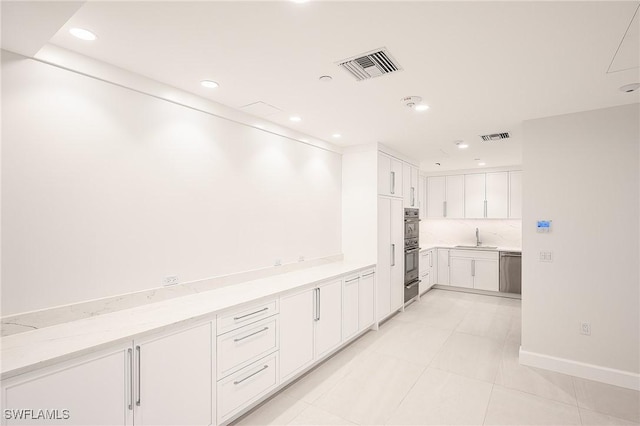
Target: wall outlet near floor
{"points": [[277, 262], [546, 256], [585, 328], [170, 280]]}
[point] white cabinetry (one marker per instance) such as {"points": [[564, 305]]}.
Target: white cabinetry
{"points": [[390, 267], [358, 296], [366, 300], [474, 269], [474, 196], [311, 326], [443, 267], [164, 379], [422, 199], [95, 389], [174, 378], [427, 270], [410, 186], [515, 194], [445, 196], [389, 176], [497, 192]]}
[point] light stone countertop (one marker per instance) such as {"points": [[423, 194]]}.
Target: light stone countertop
{"points": [[424, 247], [24, 352]]}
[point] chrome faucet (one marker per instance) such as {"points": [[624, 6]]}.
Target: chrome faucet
{"points": [[478, 242]]}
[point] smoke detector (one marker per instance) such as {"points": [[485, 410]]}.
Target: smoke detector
{"points": [[411, 101]]}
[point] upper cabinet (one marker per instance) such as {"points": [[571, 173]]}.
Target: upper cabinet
{"points": [[515, 195], [389, 176], [410, 186], [445, 196], [492, 195]]}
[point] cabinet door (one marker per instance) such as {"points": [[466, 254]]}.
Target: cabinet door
{"points": [[406, 186], [397, 241], [350, 304], [328, 333], [497, 192], [436, 196], [396, 178], [94, 389], [422, 199], [415, 188], [485, 275], [174, 378], [443, 267], [384, 174], [455, 196], [366, 299], [424, 261], [424, 282], [474, 195], [297, 313], [383, 267], [460, 272], [515, 195]]}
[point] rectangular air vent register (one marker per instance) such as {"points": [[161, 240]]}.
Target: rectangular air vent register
{"points": [[371, 64], [495, 136]]}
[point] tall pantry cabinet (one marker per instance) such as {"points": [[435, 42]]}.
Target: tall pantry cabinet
{"points": [[377, 185]]}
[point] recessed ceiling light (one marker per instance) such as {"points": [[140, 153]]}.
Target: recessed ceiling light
{"points": [[295, 118], [482, 163], [628, 88], [337, 135], [461, 145], [209, 84], [421, 107], [83, 34]]}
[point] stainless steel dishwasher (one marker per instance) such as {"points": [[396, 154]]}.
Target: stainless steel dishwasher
{"points": [[511, 272]]}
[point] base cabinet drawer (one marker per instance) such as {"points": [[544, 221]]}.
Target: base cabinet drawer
{"points": [[241, 317], [244, 345], [246, 386]]}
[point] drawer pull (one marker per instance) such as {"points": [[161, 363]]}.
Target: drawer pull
{"points": [[368, 275], [252, 313], [352, 280], [249, 335], [237, 382]]}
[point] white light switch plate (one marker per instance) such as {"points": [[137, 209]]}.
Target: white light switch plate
{"points": [[546, 256]]}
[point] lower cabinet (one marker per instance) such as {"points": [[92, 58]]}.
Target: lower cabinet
{"points": [[161, 380], [357, 304], [474, 269], [427, 269], [443, 267], [311, 326], [90, 390]]}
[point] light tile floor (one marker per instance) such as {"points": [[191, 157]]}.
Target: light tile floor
{"points": [[452, 359]]}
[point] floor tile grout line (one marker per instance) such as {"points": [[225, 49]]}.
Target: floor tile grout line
{"points": [[486, 410]]}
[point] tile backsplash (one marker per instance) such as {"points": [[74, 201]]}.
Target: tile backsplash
{"points": [[493, 232]]}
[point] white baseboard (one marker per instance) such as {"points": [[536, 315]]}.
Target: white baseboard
{"points": [[625, 379]]}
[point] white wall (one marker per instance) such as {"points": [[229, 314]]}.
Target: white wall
{"points": [[106, 191], [582, 172], [505, 233]]}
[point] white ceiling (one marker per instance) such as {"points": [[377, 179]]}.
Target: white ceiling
{"points": [[482, 67]]}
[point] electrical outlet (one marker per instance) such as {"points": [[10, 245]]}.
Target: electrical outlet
{"points": [[301, 259], [170, 280], [546, 256], [585, 328], [278, 262]]}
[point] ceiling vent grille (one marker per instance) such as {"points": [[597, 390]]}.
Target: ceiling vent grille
{"points": [[371, 64], [496, 136]]}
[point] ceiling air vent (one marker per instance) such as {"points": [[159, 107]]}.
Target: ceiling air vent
{"points": [[371, 64], [496, 136]]}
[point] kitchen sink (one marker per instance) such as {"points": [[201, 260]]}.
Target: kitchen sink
{"points": [[478, 247]]}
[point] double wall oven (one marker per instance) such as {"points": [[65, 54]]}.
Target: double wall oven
{"points": [[411, 254]]}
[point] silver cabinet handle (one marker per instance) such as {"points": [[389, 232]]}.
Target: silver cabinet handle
{"points": [[252, 313], [393, 255], [485, 208], [430, 259], [316, 308], [319, 305], [393, 182], [249, 335], [448, 258], [139, 355], [473, 268], [368, 275], [237, 382], [444, 209], [130, 352], [413, 191], [352, 280]]}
